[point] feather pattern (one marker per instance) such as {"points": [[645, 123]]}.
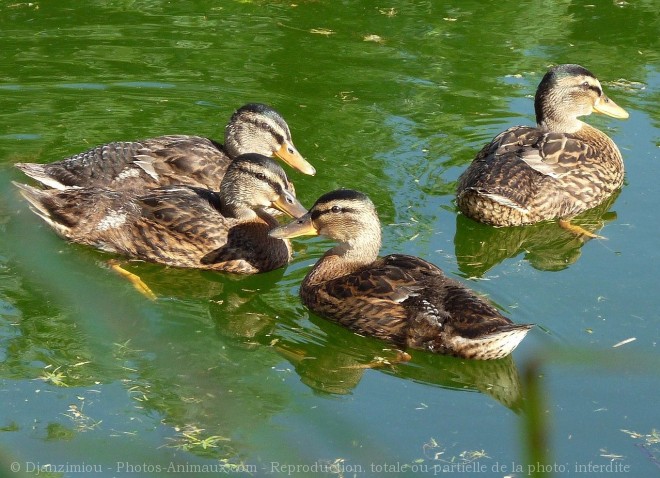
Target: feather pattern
{"points": [[181, 226], [174, 159], [399, 298], [557, 169]]}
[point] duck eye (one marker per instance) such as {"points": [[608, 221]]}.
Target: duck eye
{"points": [[260, 176], [335, 209], [585, 84]]}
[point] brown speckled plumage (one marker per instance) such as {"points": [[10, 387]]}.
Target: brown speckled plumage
{"points": [[402, 299], [180, 226], [175, 159], [555, 170]]}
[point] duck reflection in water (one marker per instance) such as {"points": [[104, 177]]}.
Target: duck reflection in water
{"points": [[480, 247], [337, 367], [330, 361]]}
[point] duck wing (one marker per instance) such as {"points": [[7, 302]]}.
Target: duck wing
{"points": [[189, 160], [181, 209], [520, 162], [188, 224], [411, 303], [154, 162], [442, 301], [372, 301], [557, 154]]}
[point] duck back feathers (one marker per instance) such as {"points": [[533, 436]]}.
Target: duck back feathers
{"points": [[409, 302]]}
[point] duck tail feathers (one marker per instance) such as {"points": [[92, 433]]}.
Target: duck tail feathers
{"points": [[38, 173], [495, 345], [40, 200]]}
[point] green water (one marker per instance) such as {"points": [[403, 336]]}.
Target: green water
{"points": [[392, 99]]}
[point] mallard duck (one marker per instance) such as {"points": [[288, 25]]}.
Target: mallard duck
{"points": [[177, 159], [181, 226], [402, 299], [555, 170]]}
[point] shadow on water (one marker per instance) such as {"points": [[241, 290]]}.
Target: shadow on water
{"points": [[336, 369], [332, 360], [546, 246]]}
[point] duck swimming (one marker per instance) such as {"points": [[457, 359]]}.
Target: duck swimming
{"points": [[555, 170], [402, 299], [181, 226], [176, 159]]}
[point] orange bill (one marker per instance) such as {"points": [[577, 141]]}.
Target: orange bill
{"points": [[290, 155]]}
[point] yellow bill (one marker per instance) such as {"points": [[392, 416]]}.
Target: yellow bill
{"points": [[289, 204], [300, 227], [608, 107]]}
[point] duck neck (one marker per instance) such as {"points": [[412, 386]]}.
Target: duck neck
{"points": [[550, 115], [345, 258], [548, 119], [232, 203], [238, 211]]}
